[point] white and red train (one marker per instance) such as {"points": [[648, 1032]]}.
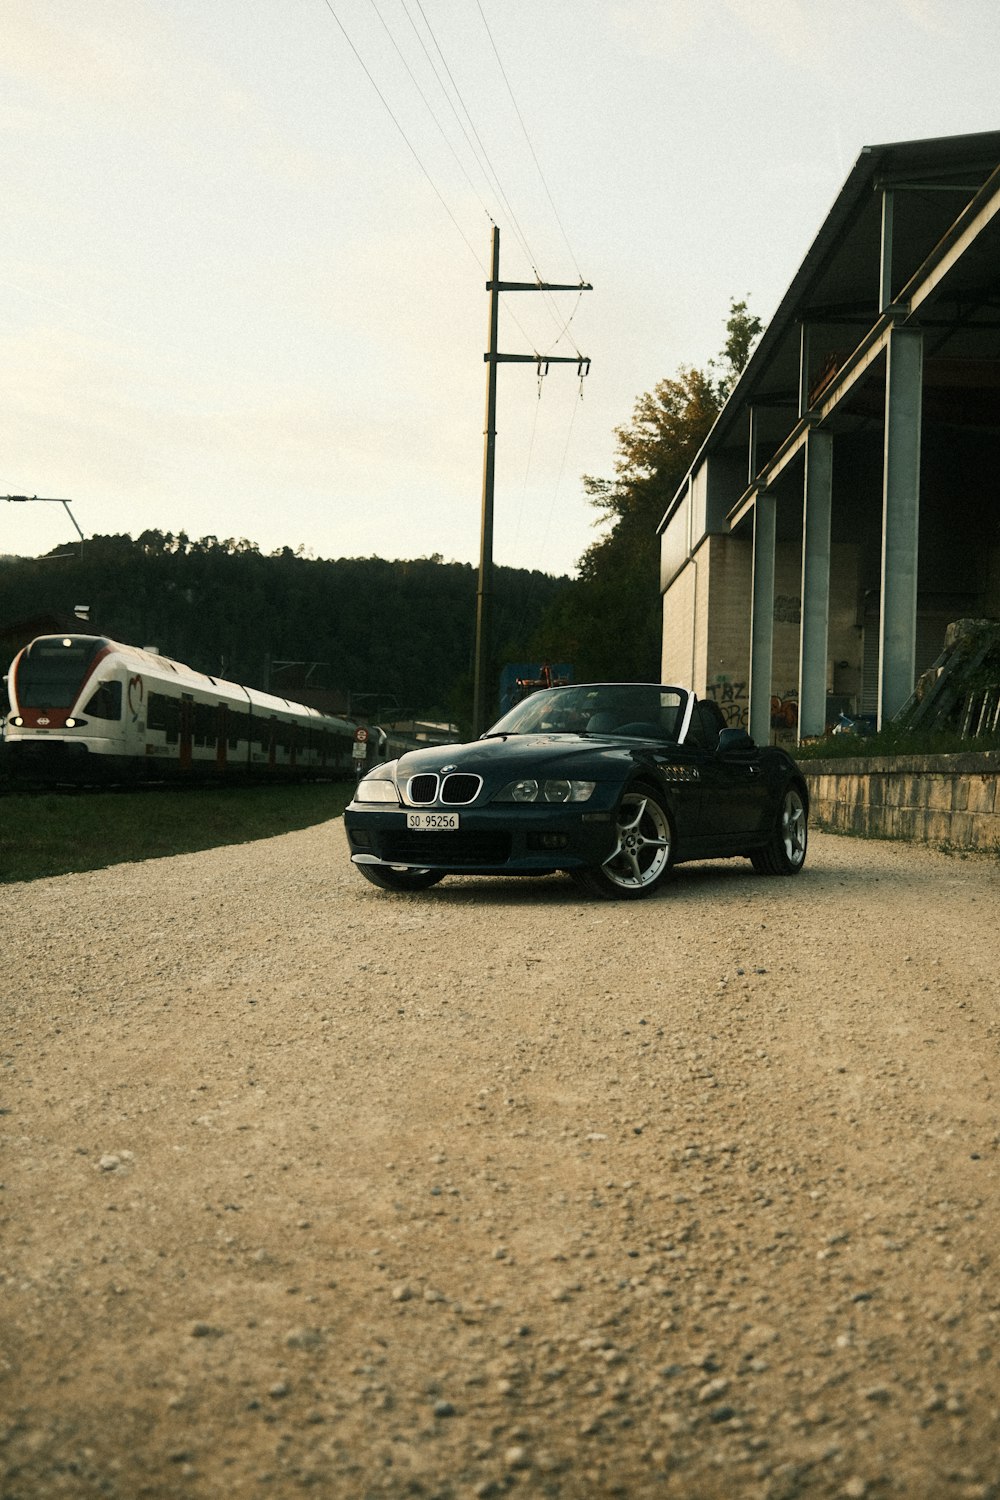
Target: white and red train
{"points": [[86, 709]]}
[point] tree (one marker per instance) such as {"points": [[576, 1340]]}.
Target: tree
{"points": [[608, 622]]}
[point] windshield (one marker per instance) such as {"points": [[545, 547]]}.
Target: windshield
{"points": [[635, 710], [50, 674]]}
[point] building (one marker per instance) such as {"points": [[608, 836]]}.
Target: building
{"points": [[846, 504]]}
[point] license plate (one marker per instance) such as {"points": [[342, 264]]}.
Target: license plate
{"points": [[437, 821]]}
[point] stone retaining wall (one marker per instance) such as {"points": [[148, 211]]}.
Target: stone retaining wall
{"points": [[939, 799]]}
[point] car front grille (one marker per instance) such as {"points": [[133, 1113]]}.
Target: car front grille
{"points": [[455, 790], [460, 788], [446, 848]]}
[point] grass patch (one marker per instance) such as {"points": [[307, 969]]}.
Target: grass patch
{"points": [[893, 741], [60, 833]]}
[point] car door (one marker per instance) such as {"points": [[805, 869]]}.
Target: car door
{"points": [[745, 798], [735, 799]]}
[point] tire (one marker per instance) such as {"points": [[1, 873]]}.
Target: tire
{"points": [[786, 853], [390, 879], [643, 850]]}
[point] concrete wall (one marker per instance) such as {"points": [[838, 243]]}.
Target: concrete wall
{"points": [[677, 662], [937, 799]]}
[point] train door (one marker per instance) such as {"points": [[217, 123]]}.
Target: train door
{"points": [[186, 731], [134, 717]]}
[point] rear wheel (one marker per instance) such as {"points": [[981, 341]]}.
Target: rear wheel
{"points": [[786, 853], [390, 879], [642, 853]]}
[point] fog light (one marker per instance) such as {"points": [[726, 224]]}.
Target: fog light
{"points": [[548, 840]]}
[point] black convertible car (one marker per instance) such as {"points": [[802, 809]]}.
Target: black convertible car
{"points": [[611, 782]]}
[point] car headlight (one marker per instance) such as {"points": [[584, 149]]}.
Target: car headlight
{"points": [[376, 789], [527, 789]]}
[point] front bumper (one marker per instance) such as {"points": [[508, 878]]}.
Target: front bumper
{"points": [[508, 840]]}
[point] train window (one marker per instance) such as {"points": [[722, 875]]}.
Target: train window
{"points": [[105, 703], [156, 712], [204, 724], [237, 728], [164, 714], [50, 673]]}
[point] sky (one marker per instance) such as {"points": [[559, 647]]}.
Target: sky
{"points": [[245, 243]]}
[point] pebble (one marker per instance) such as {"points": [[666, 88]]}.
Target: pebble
{"points": [[303, 1338], [713, 1388]]}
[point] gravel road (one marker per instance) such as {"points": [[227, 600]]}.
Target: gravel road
{"points": [[492, 1190]]}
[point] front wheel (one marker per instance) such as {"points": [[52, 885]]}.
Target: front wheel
{"points": [[390, 879], [642, 853], [786, 853]]}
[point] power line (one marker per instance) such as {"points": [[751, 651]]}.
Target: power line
{"points": [[430, 109], [483, 156], [409, 144], [527, 137]]}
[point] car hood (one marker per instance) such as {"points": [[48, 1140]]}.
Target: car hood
{"points": [[571, 755]]}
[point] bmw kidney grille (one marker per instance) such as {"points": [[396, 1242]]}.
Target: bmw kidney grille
{"points": [[456, 790]]}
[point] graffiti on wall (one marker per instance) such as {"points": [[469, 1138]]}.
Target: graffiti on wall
{"points": [[733, 697], [785, 710], [734, 700]]}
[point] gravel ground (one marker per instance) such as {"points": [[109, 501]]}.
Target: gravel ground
{"points": [[490, 1190]]}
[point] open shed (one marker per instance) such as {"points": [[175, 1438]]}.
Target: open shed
{"points": [[846, 504]]}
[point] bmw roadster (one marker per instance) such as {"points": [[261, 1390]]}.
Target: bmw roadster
{"points": [[611, 783]]}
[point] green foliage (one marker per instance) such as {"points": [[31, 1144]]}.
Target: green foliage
{"points": [[895, 740], [65, 832], [609, 623], [401, 631]]}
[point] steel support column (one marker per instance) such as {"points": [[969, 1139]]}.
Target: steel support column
{"points": [[762, 617], [900, 520], [816, 507]]}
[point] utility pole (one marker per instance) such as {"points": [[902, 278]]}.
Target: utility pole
{"points": [[484, 595]]}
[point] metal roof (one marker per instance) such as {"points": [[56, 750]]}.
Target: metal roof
{"points": [[836, 289]]}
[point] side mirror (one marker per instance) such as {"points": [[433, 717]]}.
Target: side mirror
{"points": [[734, 742]]}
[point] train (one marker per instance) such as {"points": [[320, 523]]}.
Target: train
{"points": [[84, 709]]}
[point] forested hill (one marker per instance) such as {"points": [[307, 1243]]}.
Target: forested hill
{"points": [[402, 630]]}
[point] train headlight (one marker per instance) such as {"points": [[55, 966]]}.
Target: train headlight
{"points": [[70, 723], [17, 721]]}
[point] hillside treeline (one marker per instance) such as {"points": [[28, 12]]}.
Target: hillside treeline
{"points": [[401, 631]]}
